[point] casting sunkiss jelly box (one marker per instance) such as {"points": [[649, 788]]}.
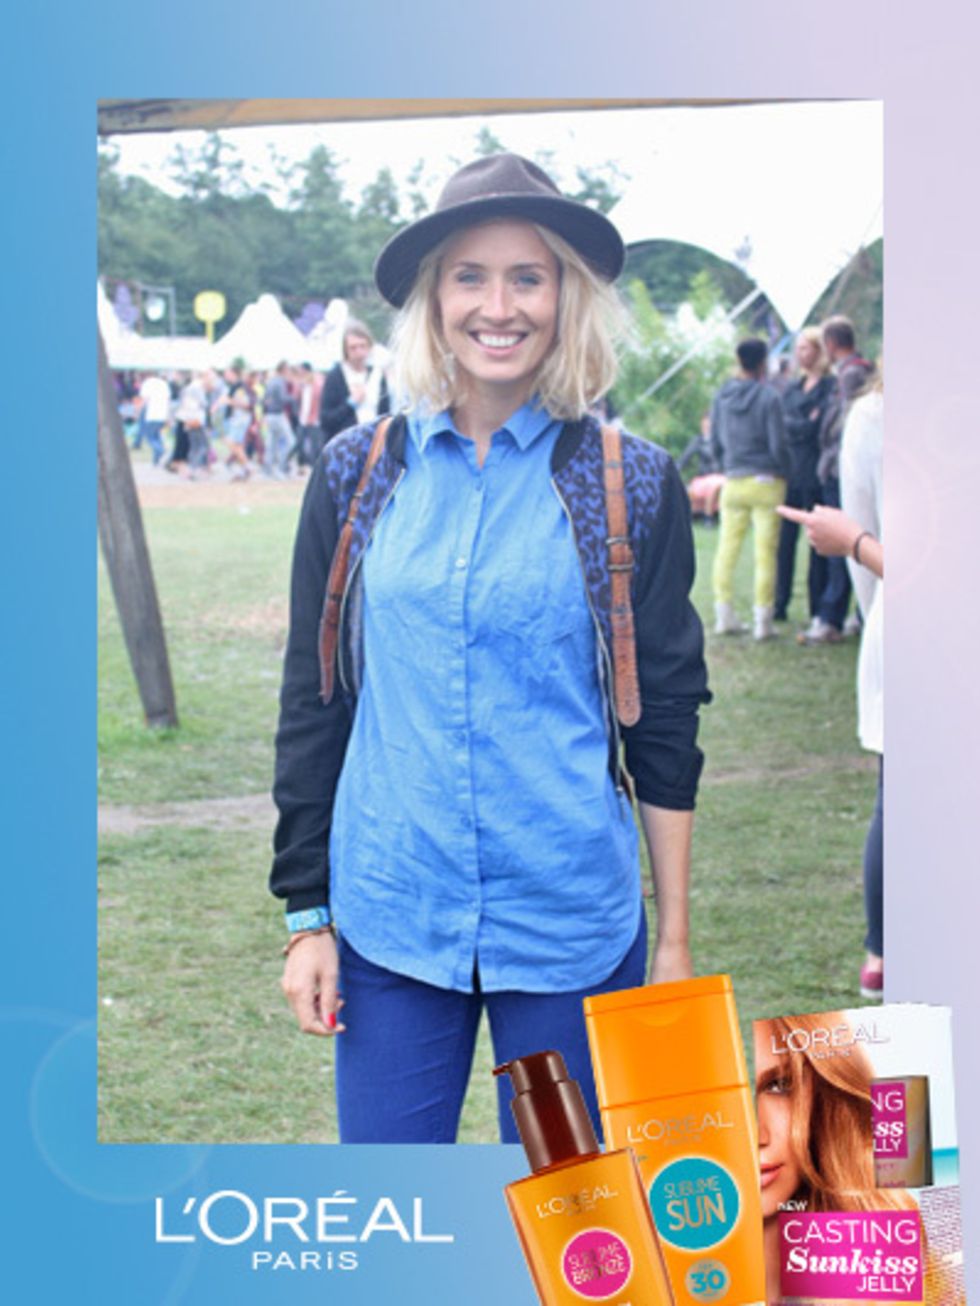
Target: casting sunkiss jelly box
{"points": [[858, 1159]]}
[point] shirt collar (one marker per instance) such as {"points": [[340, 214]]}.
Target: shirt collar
{"points": [[525, 425]]}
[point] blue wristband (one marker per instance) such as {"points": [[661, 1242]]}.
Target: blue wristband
{"points": [[311, 918]]}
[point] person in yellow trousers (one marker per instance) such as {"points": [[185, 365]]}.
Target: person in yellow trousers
{"points": [[749, 441]]}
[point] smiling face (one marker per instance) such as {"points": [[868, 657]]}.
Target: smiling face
{"points": [[779, 1169], [497, 297]]}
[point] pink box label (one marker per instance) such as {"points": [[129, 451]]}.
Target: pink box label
{"points": [[889, 1119], [854, 1255]]}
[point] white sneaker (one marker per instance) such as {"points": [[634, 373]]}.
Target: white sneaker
{"points": [[726, 622], [762, 627], [819, 632]]}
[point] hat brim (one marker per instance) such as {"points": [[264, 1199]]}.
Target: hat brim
{"points": [[589, 232]]}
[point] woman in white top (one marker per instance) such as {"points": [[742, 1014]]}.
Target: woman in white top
{"points": [[855, 532]]}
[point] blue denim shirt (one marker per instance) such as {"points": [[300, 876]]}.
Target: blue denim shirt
{"points": [[476, 823]]}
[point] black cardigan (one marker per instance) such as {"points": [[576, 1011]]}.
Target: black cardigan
{"points": [[336, 412]]}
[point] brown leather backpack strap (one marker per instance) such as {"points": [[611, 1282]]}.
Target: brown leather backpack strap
{"points": [[339, 567], [626, 689]]}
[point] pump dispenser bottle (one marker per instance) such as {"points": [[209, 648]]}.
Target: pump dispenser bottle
{"points": [[582, 1216], [672, 1083]]}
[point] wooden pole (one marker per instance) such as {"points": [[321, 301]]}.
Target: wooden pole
{"points": [[128, 560]]}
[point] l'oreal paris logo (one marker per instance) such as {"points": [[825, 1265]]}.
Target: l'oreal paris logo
{"points": [[230, 1218], [826, 1039], [676, 1129], [583, 1199]]}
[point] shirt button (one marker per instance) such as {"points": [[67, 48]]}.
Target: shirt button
{"points": [[460, 564]]}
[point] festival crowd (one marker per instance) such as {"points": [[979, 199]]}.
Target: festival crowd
{"points": [[273, 422]]}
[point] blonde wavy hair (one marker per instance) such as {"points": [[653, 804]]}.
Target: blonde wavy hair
{"points": [[578, 370], [815, 337]]}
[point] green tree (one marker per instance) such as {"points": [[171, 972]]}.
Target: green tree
{"points": [[325, 228], [377, 215], [598, 185], [137, 236], [601, 186], [672, 414], [417, 201], [857, 292], [668, 267], [211, 174], [487, 142]]}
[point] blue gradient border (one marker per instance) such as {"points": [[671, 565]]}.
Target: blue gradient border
{"points": [[80, 1222]]}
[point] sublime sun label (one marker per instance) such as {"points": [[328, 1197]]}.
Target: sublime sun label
{"points": [[695, 1203]]}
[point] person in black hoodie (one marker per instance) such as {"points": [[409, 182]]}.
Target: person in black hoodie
{"points": [[749, 440]]}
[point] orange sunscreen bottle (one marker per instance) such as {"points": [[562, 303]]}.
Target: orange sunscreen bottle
{"points": [[672, 1082], [582, 1217]]}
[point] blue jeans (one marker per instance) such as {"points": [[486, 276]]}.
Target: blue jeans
{"points": [[799, 494], [404, 1060], [832, 580], [151, 432], [279, 438], [874, 940]]}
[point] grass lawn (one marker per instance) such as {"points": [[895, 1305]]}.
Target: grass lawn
{"points": [[195, 1042]]}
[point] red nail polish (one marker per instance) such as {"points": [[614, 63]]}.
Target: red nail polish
{"points": [[332, 1020]]}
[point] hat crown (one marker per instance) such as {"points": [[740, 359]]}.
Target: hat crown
{"points": [[490, 188], [495, 175]]}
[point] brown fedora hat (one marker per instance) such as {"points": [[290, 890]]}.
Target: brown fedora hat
{"points": [[498, 186]]}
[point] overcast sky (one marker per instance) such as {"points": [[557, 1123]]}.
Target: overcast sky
{"points": [[629, 138]]}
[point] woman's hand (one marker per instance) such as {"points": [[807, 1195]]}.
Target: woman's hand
{"points": [[671, 961], [834, 534], [309, 982], [829, 530]]}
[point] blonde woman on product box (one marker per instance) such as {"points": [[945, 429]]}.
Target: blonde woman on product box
{"points": [[816, 1144]]}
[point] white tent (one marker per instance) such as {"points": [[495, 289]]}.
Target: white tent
{"points": [[263, 336], [126, 349], [177, 353], [160, 353], [788, 192], [325, 342]]}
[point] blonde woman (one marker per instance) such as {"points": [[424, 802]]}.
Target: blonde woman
{"points": [[454, 831], [805, 404]]}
